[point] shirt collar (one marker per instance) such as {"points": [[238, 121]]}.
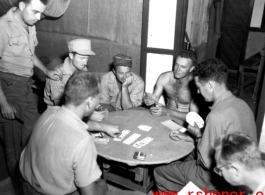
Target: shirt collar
{"points": [[222, 97], [72, 116]]}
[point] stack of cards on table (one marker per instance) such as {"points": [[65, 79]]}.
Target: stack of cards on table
{"points": [[122, 135], [143, 142], [139, 155], [144, 127], [101, 140], [98, 135]]}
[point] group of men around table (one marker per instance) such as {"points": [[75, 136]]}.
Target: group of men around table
{"points": [[60, 156]]}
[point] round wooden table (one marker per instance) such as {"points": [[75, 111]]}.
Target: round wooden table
{"points": [[118, 163], [162, 149]]}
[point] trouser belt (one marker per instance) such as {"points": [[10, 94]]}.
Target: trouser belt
{"points": [[14, 77]]}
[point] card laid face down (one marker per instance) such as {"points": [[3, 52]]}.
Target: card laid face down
{"points": [[122, 135], [131, 139], [144, 127], [171, 125], [142, 142]]}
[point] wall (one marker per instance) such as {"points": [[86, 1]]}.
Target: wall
{"points": [[203, 26], [113, 26]]}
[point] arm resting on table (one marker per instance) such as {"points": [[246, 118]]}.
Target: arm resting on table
{"points": [[99, 126]]}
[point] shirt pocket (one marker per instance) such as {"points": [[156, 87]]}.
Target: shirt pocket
{"points": [[19, 46]]}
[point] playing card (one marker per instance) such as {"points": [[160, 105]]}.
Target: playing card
{"points": [[102, 140], [131, 139], [171, 124], [182, 130], [122, 135], [137, 145], [193, 117], [148, 128], [143, 142], [98, 135], [144, 127]]}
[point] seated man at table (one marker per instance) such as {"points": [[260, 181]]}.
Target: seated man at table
{"points": [[178, 86], [61, 156], [228, 114], [239, 161], [121, 89], [79, 52]]}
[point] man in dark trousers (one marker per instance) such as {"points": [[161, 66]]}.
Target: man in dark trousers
{"points": [[228, 114], [17, 59]]}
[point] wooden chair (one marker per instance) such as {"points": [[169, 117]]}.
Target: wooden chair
{"points": [[252, 66]]}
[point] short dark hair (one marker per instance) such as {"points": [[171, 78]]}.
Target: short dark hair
{"points": [[212, 69], [239, 147], [80, 86], [45, 2], [189, 54]]}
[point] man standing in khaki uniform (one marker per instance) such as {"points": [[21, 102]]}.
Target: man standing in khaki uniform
{"points": [[17, 59]]}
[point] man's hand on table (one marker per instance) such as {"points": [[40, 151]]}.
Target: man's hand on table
{"points": [[177, 135], [159, 110], [149, 99], [113, 130]]}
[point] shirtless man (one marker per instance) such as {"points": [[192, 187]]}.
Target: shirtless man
{"points": [[178, 86]]}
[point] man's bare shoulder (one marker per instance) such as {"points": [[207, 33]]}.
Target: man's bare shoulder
{"points": [[165, 77]]}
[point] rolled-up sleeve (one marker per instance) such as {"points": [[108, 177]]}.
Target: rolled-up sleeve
{"points": [[53, 90], [86, 170]]}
